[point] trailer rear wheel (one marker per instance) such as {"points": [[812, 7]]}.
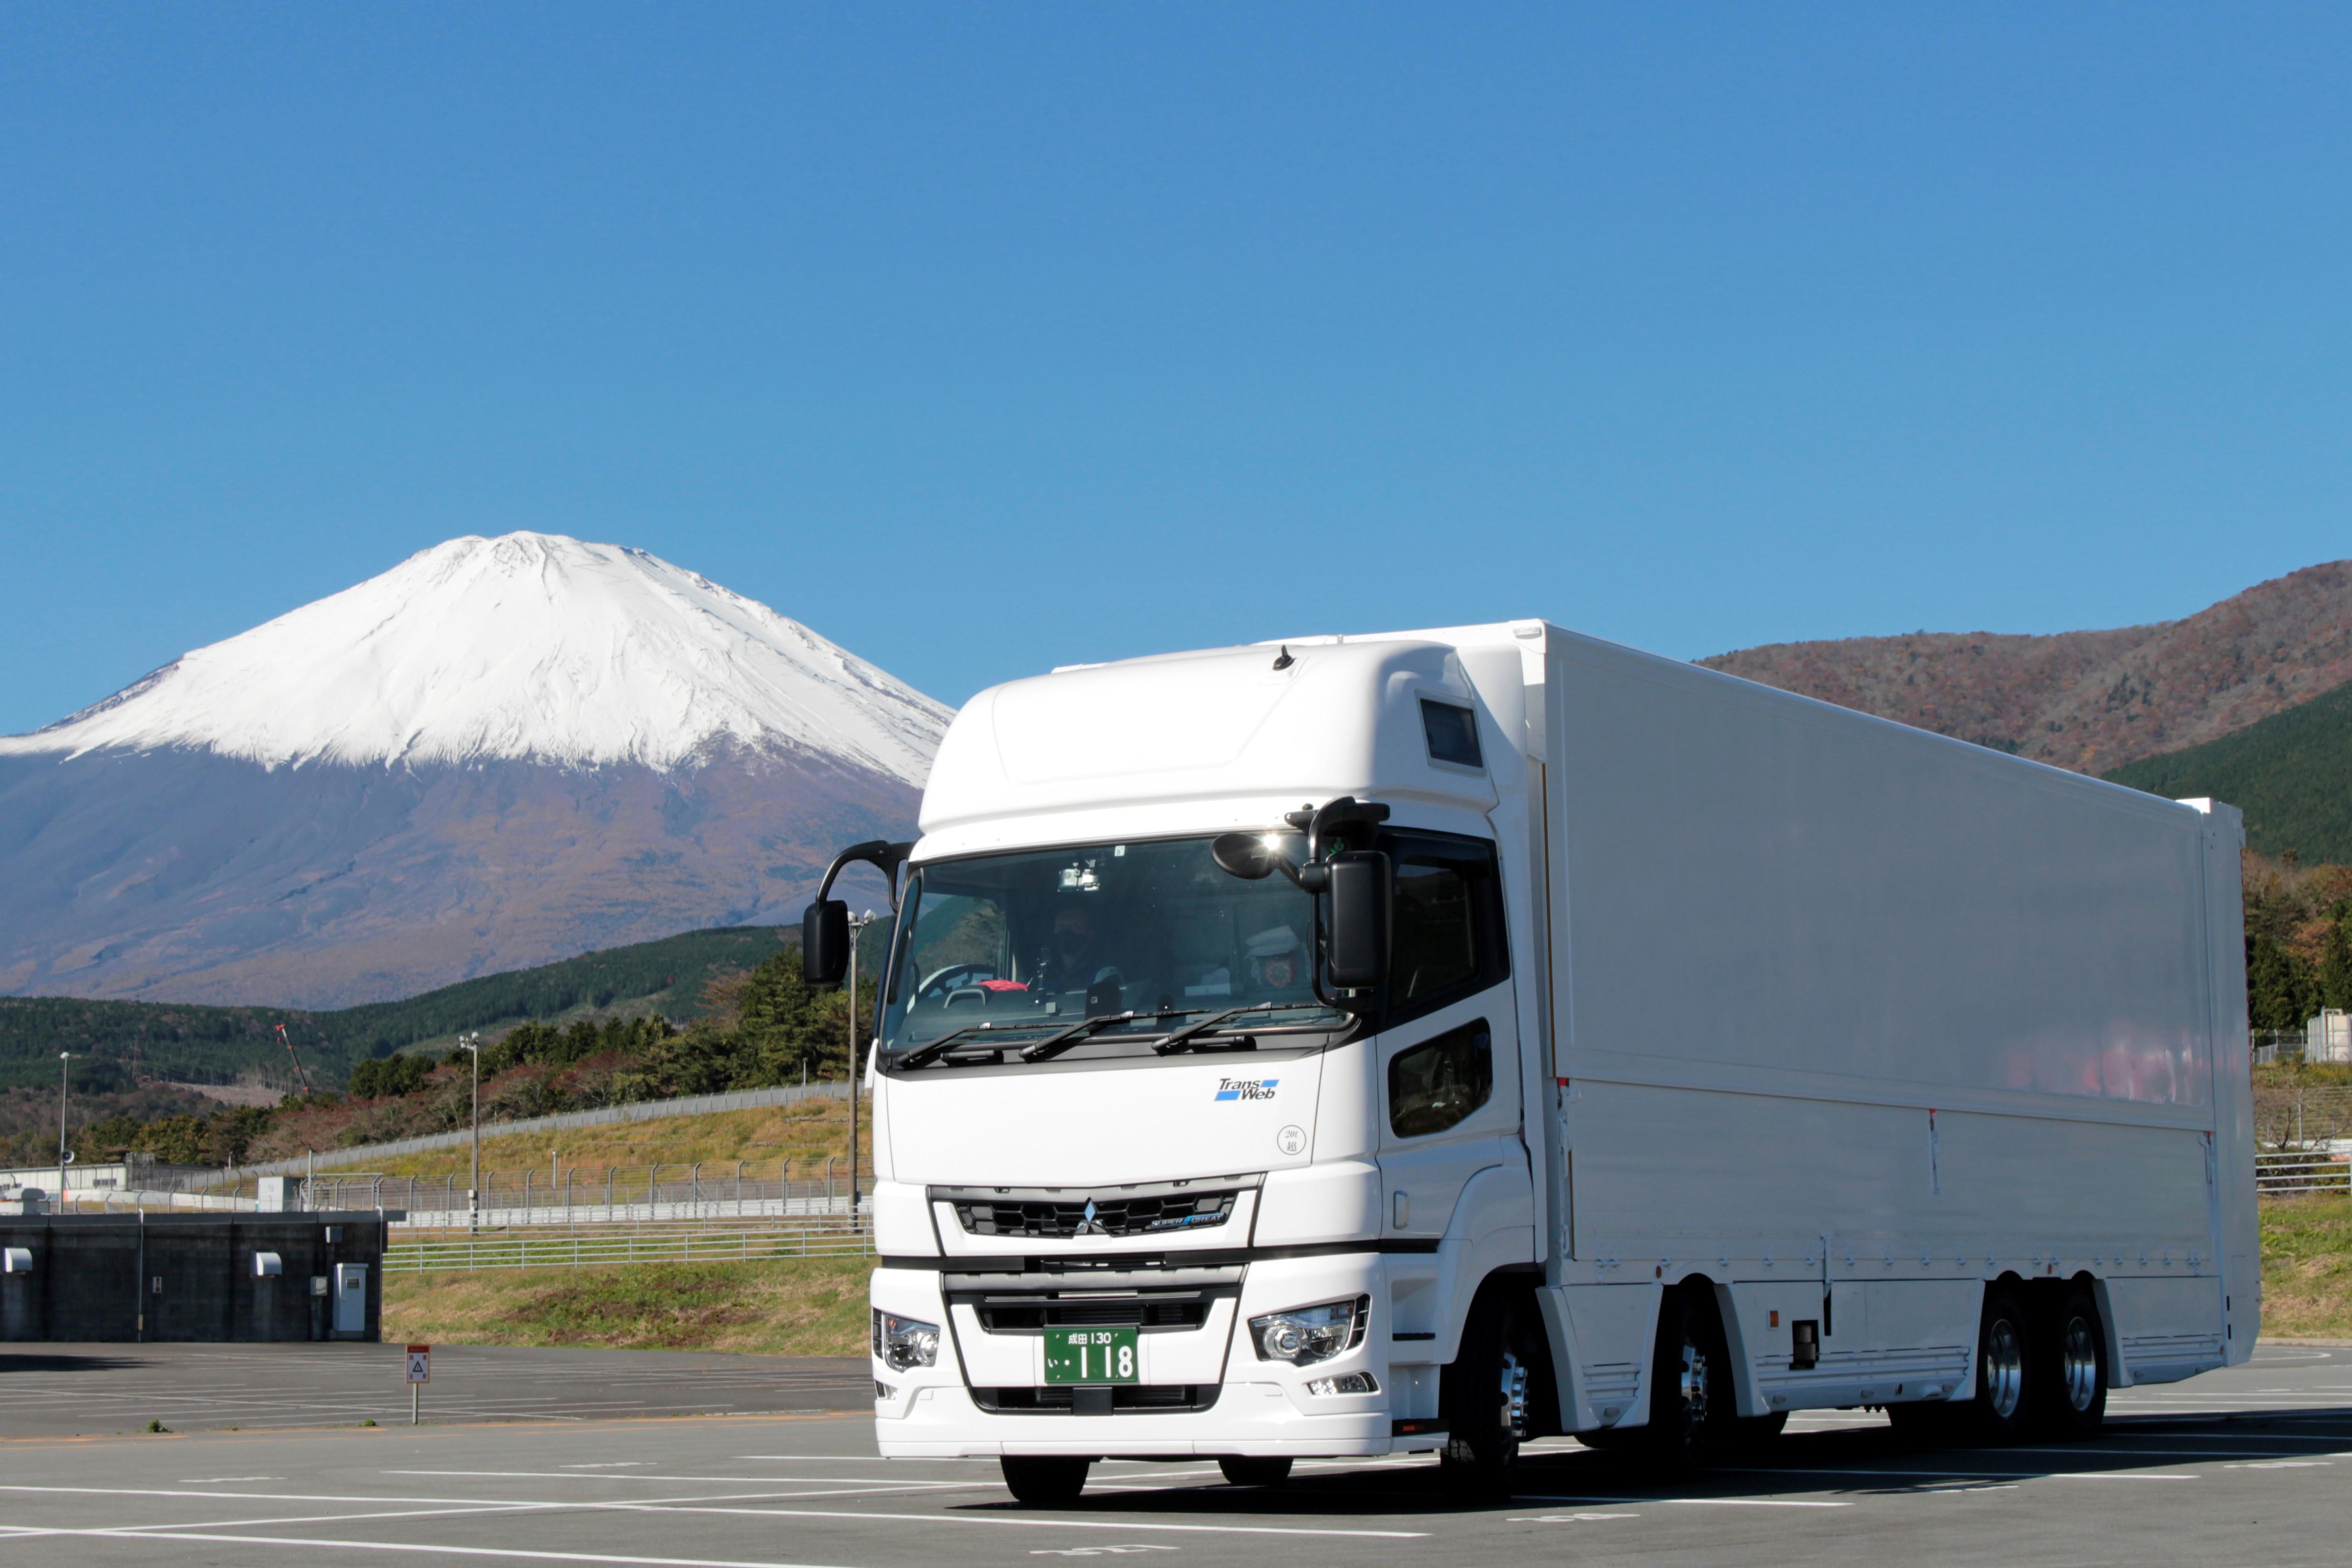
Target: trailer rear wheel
{"points": [[2006, 1374], [1040, 1482], [1242, 1471], [1483, 1394], [2074, 1381]]}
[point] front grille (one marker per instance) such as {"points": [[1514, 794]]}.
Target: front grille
{"points": [[1154, 1214], [1134, 1398], [1025, 1317]]}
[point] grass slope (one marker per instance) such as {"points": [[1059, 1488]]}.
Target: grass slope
{"points": [[810, 1130], [216, 1045], [2288, 773], [811, 1306], [2307, 1267]]}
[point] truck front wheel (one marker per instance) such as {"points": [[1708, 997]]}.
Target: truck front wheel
{"points": [[1040, 1482], [1484, 1395]]}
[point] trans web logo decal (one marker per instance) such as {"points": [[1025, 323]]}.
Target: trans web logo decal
{"points": [[1246, 1088]]}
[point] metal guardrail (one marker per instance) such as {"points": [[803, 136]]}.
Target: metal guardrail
{"points": [[700, 1189], [588, 1247], [2309, 1170]]}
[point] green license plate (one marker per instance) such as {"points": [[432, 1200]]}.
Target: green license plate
{"points": [[1090, 1355]]}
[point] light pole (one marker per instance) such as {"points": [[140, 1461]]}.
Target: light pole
{"points": [[64, 1067], [472, 1044], [857, 925]]}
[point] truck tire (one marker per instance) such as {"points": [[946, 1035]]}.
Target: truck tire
{"points": [[1037, 1481], [1242, 1471], [1483, 1394], [2002, 1411], [1684, 1385], [2074, 1381]]}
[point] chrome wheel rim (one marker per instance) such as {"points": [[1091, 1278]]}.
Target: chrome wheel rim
{"points": [[2004, 1368], [2081, 1362], [1693, 1381], [1514, 1409]]}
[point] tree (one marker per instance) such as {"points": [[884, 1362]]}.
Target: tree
{"points": [[2280, 987], [2336, 959]]}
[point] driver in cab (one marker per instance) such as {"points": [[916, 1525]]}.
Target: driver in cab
{"points": [[1074, 961]]}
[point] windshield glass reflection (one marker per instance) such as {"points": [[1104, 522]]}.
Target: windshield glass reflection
{"points": [[1050, 937]]}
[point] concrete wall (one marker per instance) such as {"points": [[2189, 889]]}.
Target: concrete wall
{"points": [[96, 1277]]}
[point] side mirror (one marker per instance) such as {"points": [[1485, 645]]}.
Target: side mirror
{"points": [[1243, 855], [825, 943], [1356, 920]]}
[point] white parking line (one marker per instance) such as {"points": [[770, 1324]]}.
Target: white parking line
{"points": [[1753, 1503], [708, 1505], [507, 1551], [845, 1486], [1032, 1523]]}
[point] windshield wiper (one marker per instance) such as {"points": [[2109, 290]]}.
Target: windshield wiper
{"points": [[1183, 1038], [1078, 1034], [932, 1050]]}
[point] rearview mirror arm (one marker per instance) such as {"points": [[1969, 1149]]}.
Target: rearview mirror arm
{"points": [[880, 853]]}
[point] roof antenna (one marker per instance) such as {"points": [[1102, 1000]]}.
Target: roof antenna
{"points": [[1283, 660]]}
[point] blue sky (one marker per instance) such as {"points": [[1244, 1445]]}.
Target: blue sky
{"points": [[987, 338]]}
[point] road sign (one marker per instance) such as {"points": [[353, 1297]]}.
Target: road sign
{"points": [[420, 1364]]}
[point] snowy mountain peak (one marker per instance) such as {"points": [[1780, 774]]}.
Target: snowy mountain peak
{"points": [[528, 646]]}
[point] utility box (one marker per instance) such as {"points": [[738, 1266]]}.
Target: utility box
{"points": [[274, 1195], [183, 1277]]}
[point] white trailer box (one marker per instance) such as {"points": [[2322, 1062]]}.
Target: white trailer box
{"points": [[1731, 1053]]}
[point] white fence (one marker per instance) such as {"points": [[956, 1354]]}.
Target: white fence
{"points": [[411, 1253], [2308, 1171]]}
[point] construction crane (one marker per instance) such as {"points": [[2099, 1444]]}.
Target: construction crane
{"points": [[299, 1076]]}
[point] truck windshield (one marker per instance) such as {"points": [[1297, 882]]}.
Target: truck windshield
{"points": [[1046, 938]]}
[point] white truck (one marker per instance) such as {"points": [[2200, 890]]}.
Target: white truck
{"points": [[1429, 1040]]}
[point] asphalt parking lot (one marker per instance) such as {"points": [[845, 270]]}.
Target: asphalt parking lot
{"points": [[70, 1390], [2248, 1465]]}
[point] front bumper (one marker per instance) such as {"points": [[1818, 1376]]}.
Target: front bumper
{"points": [[1252, 1406]]}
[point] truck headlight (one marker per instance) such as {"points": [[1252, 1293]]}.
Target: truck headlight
{"points": [[1304, 1335], [904, 1342]]}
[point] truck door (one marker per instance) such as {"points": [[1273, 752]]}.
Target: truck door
{"points": [[1449, 1075]]}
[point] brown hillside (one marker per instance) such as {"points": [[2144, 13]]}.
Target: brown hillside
{"points": [[2090, 700]]}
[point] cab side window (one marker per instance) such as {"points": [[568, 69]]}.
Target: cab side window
{"points": [[1447, 941], [1436, 1083], [1436, 934]]}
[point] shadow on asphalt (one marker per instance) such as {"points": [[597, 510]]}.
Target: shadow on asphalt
{"points": [[13, 1363], [1867, 1461]]}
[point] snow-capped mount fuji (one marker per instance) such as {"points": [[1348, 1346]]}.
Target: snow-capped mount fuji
{"points": [[530, 647], [500, 752]]}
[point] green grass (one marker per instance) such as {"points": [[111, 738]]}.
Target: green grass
{"points": [[2307, 1267], [813, 1306]]}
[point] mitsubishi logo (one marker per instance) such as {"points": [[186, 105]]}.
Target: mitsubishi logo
{"points": [[1087, 1225]]}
